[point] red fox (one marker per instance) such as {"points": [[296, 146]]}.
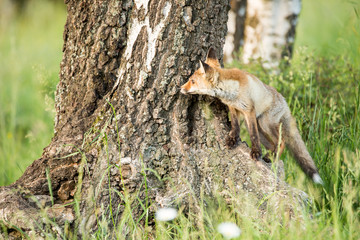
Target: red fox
{"points": [[264, 109]]}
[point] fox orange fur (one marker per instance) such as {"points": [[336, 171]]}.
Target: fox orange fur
{"points": [[264, 109]]}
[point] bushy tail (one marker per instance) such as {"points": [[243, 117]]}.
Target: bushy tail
{"points": [[297, 147]]}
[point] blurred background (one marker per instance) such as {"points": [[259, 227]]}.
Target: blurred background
{"points": [[30, 55], [31, 52]]}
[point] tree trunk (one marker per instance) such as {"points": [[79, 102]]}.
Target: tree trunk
{"points": [[123, 132], [268, 33]]}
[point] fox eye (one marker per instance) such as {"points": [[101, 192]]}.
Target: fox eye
{"points": [[192, 81]]}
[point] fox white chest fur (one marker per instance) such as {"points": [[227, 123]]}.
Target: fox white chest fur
{"points": [[254, 95]]}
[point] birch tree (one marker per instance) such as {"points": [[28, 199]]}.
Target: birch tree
{"points": [[269, 30]]}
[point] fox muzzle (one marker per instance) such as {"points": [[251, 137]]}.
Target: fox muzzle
{"points": [[183, 91]]}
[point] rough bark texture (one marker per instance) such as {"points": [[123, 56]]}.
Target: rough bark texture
{"points": [[270, 30], [119, 113], [236, 24]]}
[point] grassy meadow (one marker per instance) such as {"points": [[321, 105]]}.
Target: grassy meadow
{"points": [[30, 55], [321, 85]]}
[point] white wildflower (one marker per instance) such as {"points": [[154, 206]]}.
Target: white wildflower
{"points": [[229, 230], [166, 214]]}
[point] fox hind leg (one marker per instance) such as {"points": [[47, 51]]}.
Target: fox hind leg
{"points": [[269, 137], [268, 144]]}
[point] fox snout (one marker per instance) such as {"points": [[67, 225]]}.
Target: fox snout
{"points": [[185, 88]]}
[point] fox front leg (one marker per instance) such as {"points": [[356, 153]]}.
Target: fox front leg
{"points": [[251, 124], [233, 139]]}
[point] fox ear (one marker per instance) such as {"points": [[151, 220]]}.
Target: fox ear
{"points": [[211, 54], [211, 58], [204, 67]]}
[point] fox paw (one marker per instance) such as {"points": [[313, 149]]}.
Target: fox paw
{"points": [[255, 154], [231, 142], [266, 158]]}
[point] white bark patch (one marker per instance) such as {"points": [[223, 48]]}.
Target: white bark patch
{"points": [[295, 6], [242, 11], [229, 40], [187, 19], [135, 29], [231, 24], [187, 15], [142, 77], [153, 35], [142, 3], [120, 75], [166, 9], [125, 160], [129, 92]]}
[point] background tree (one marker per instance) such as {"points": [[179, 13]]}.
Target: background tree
{"points": [[236, 25], [123, 133], [265, 30]]}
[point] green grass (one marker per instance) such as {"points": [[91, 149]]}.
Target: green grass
{"points": [[30, 55], [321, 86], [330, 28]]}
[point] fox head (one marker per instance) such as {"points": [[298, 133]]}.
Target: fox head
{"points": [[204, 78]]}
